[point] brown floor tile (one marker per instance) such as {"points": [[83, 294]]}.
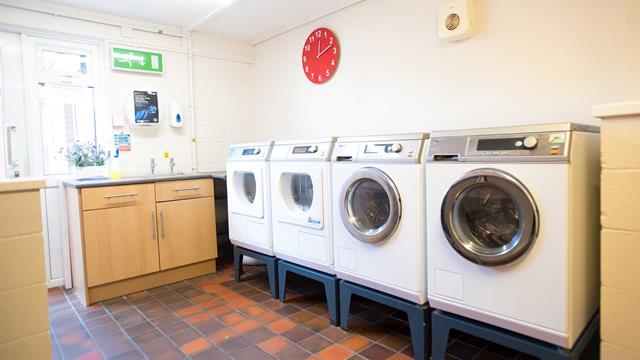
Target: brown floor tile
{"points": [[268, 317], [232, 318], [376, 352], [292, 353], [195, 346], [259, 334], [334, 352], [334, 333], [297, 333], [222, 335], [211, 354], [317, 324], [394, 342], [245, 326], [355, 342], [314, 343], [274, 344], [280, 326], [235, 344], [251, 353]]}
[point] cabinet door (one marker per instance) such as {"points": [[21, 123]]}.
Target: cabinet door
{"points": [[187, 232], [120, 243]]}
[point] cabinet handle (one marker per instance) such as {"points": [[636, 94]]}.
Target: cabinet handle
{"points": [[153, 225], [162, 223], [188, 189], [120, 195]]}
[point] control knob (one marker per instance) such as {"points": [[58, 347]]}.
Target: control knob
{"points": [[256, 151], [396, 148], [313, 149], [530, 142]]}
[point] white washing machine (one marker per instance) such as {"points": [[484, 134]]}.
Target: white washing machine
{"points": [[248, 196], [513, 227], [301, 202], [378, 218]]}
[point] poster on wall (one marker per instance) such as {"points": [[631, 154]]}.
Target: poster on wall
{"points": [[145, 105]]}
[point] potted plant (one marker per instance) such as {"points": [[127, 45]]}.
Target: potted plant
{"points": [[88, 159]]}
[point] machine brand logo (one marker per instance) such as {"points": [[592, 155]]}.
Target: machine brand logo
{"points": [[312, 221]]}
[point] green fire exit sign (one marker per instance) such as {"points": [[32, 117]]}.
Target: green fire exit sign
{"points": [[136, 60]]}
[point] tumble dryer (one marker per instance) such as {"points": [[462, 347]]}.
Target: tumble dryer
{"points": [[378, 221], [248, 196], [301, 202], [512, 227]]}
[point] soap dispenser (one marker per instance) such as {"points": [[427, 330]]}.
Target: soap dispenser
{"points": [[175, 111]]}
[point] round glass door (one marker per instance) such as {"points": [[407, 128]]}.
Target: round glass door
{"points": [[489, 217], [299, 188], [371, 206], [246, 182]]}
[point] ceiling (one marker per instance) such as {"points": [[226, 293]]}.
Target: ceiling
{"points": [[250, 21]]}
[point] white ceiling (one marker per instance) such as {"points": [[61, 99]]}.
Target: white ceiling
{"points": [[250, 21]]}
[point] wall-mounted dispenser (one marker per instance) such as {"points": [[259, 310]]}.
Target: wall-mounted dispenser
{"points": [[176, 114], [457, 20]]}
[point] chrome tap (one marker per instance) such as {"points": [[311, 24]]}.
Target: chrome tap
{"points": [[152, 165], [172, 164]]}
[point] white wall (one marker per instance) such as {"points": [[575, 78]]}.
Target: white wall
{"points": [[532, 61], [220, 68]]}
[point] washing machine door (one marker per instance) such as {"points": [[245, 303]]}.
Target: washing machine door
{"points": [[299, 195], [370, 206], [245, 193], [489, 217]]}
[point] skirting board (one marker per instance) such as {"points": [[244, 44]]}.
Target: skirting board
{"points": [[145, 282]]}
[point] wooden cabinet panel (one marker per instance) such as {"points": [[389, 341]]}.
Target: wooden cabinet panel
{"points": [[187, 232], [183, 189], [120, 243], [116, 196]]}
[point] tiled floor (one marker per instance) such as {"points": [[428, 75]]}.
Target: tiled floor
{"points": [[213, 317]]}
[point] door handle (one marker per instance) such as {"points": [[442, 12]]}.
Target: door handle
{"points": [[162, 223], [10, 130], [120, 195], [153, 225], [187, 189]]}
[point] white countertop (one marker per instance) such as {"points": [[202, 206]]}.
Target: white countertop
{"points": [[617, 109]]}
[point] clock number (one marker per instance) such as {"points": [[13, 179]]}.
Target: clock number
{"points": [[304, 59], [331, 40], [306, 68], [312, 75], [318, 33], [312, 38], [307, 47], [325, 34], [319, 77], [335, 51], [333, 62], [327, 73]]}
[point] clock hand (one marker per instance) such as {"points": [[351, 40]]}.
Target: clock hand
{"points": [[322, 52], [318, 47]]}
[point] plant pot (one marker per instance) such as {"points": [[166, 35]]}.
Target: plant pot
{"points": [[90, 171]]}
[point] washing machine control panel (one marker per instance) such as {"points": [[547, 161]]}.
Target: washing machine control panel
{"points": [[553, 146], [252, 152], [393, 150], [317, 151]]}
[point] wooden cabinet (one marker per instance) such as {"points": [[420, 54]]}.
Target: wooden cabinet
{"points": [[127, 238], [120, 243], [187, 232]]}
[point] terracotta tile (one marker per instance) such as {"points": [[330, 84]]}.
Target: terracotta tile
{"points": [[280, 326], [185, 337], [297, 333], [400, 356], [376, 352], [213, 303], [334, 352], [253, 311], [195, 346], [292, 353], [222, 335], [232, 318], [210, 326], [274, 345], [272, 304], [201, 317], [221, 310], [234, 345], [251, 353], [92, 355], [129, 355], [202, 298], [259, 334], [188, 311], [287, 310], [334, 333], [210, 354], [355, 343], [174, 327], [161, 349], [139, 329], [317, 324], [301, 317], [268, 317], [314, 343], [245, 326], [394, 342]]}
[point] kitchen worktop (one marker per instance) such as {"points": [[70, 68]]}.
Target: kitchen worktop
{"points": [[20, 184], [96, 182]]}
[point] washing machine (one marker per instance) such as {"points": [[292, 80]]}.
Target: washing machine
{"points": [[513, 227], [248, 196], [378, 219], [301, 202]]}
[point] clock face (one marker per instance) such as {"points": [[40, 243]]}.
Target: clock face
{"points": [[320, 55]]}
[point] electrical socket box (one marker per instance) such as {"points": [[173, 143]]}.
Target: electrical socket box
{"points": [[457, 20]]}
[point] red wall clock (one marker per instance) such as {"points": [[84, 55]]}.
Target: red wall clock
{"points": [[320, 55]]}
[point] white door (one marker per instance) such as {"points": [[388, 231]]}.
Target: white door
{"points": [[297, 194], [13, 140]]}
